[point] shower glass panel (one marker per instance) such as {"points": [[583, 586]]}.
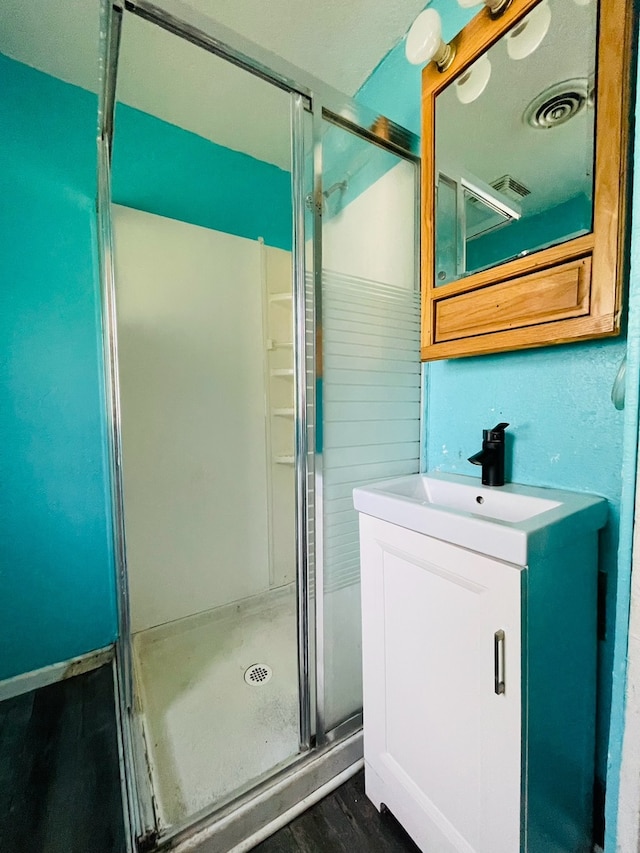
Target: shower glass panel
{"points": [[202, 222], [370, 382]]}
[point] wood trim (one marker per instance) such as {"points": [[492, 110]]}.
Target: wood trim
{"points": [[616, 25], [557, 293], [480, 34], [606, 244], [542, 334], [544, 259]]}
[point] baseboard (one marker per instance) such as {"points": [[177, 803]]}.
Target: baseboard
{"points": [[28, 681]]}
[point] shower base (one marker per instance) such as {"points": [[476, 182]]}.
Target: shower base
{"points": [[208, 731]]}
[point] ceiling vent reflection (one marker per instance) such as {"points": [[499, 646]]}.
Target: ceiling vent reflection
{"points": [[557, 104]]}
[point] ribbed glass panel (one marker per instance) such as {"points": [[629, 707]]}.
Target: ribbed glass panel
{"points": [[371, 404], [310, 379]]}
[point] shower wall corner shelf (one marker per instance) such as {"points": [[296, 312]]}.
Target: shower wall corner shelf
{"points": [[272, 344], [277, 307]]}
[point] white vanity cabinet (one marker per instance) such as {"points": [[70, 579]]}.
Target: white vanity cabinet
{"points": [[479, 688]]}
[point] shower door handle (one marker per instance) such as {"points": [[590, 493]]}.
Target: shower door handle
{"points": [[498, 662]]}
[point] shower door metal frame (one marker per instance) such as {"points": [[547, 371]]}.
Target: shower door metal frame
{"points": [[139, 812], [303, 403], [325, 104]]}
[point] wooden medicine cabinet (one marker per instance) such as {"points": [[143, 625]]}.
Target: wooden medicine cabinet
{"points": [[525, 138]]}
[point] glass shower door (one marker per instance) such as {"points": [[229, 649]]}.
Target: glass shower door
{"points": [[208, 369], [369, 387]]}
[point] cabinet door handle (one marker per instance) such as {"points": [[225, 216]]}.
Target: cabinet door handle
{"points": [[498, 662]]}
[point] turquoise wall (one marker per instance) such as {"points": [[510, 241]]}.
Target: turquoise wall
{"points": [[394, 87], [57, 596], [538, 230], [564, 429], [56, 570], [163, 169], [627, 513]]}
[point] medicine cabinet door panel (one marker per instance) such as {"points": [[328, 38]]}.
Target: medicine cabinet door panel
{"points": [[441, 627]]}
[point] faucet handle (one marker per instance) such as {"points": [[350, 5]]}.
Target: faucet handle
{"points": [[497, 433]]}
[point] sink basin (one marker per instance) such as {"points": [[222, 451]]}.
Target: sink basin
{"points": [[505, 522], [469, 497]]}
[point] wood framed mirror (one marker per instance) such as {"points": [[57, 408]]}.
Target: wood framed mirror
{"points": [[525, 141]]}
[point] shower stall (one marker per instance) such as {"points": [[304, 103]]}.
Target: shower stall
{"points": [[258, 239]]}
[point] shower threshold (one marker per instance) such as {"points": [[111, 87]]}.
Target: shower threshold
{"points": [[248, 819]]}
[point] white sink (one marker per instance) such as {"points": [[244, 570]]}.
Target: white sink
{"points": [[506, 522]]}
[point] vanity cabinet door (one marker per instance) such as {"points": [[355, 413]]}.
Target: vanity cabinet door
{"points": [[442, 739]]}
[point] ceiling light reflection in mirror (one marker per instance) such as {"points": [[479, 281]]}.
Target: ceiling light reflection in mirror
{"points": [[518, 127]]}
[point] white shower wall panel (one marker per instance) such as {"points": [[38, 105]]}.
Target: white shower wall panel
{"points": [[373, 237], [189, 311]]}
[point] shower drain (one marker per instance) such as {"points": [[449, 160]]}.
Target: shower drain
{"points": [[258, 673]]}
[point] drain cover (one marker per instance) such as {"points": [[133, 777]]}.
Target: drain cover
{"points": [[258, 673]]}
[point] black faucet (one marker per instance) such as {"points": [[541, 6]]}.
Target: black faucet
{"points": [[491, 457]]}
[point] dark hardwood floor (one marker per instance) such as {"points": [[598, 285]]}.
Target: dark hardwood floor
{"points": [[344, 822], [59, 773], [60, 783]]}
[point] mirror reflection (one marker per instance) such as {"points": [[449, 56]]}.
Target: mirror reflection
{"points": [[529, 100]]}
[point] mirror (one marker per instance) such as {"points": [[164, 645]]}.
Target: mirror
{"points": [[526, 102], [523, 191]]}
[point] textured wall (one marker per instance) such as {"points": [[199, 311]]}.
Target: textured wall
{"points": [[56, 572], [623, 782]]}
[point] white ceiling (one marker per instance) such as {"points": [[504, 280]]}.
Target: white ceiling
{"points": [[59, 37], [338, 42], [179, 82], [554, 164]]}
